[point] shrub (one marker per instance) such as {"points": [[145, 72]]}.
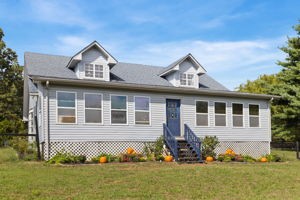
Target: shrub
{"points": [[8, 155], [227, 158], [272, 157], [26, 151], [160, 158], [109, 157], [221, 157], [239, 158], [66, 158], [248, 158], [132, 157], [154, 151], [209, 144]]}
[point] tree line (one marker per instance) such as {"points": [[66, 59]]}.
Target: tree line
{"points": [[286, 84]]}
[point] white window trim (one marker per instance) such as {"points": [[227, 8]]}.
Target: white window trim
{"points": [[94, 63], [259, 117], [127, 120], [208, 117], [93, 108], [149, 111], [194, 79], [226, 114], [243, 115], [56, 109]]}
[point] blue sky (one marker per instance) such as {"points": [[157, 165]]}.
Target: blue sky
{"points": [[234, 40]]}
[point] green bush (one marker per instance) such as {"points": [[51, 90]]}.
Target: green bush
{"points": [[66, 158], [154, 151], [132, 157], [109, 157], [8, 155], [273, 157], [26, 151], [248, 158], [209, 144]]}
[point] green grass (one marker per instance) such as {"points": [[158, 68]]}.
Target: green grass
{"points": [[152, 180], [8, 155]]}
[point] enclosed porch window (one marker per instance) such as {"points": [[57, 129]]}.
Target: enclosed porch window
{"points": [[66, 107], [220, 114], [93, 108], [142, 110], [253, 115], [118, 109], [201, 113]]}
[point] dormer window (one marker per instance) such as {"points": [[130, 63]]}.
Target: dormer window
{"points": [[94, 71], [186, 79]]}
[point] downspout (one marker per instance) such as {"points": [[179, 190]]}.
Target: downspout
{"points": [[48, 120], [270, 122]]}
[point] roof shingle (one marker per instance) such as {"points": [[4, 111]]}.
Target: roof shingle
{"points": [[55, 66]]}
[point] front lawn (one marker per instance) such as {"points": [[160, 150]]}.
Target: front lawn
{"points": [[151, 180]]}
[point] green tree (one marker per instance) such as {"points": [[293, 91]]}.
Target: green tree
{"points": [[286, 110], [11, 91], [287, 116], [262, 85]]}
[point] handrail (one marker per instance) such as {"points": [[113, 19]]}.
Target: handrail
{"points": [[192, 140], [171, 141]]}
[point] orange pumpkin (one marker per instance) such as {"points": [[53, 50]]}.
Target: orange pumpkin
{"points": [[229, 151], [130, 150], [209, 159], [103, 159], [168, 158], [263, 159]]}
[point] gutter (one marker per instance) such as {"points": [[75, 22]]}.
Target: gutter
{"points": [[48, 120], [153, 88]]}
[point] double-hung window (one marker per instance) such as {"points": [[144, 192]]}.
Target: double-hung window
{"points": [[93, 108], [186, 79], [237, 115], [118, 109], [253, 115], [220, 114], [94, 71], [66, 107], [201, 113], [142, 110]]}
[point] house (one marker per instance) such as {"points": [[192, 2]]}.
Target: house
{"points": [[91, 103]]}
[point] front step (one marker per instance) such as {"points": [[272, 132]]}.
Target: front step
{"points": [[186, 154]]}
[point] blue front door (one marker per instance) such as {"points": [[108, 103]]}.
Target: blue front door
{"points": [[173, 116]]}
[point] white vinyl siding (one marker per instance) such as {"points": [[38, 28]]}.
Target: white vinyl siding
{"points": [[133, 132], [201, 113], [220, 113], [118, 109], [142, 110], [254, 115], [66, 107], [93, 108], [237, 115]]}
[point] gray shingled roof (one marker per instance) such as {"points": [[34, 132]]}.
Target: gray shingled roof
{"points": [[55, 66], [165, 69], [139, 74]]}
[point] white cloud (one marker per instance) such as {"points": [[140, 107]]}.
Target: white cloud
{"points": [[222, 59], [230, 62], [69, 45], [59, 12]]}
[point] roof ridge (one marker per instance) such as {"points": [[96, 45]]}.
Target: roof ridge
{"points": [[147, 65], [46, 54]]}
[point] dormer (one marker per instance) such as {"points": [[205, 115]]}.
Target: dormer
{"points": [[93, 62], [184, 72]]}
